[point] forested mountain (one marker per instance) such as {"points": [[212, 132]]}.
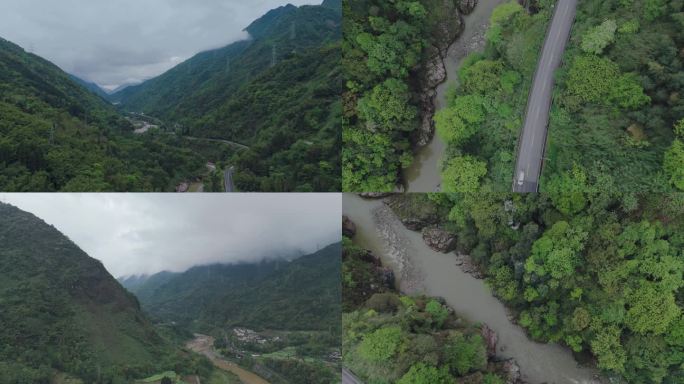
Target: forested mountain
{"points": [[92, 87], [277, 93], [57, 136], [303, 294], [62, 313]]}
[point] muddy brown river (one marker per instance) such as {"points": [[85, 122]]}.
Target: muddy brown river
{"points": [[419, 269], [204, 345], [424, 173]]}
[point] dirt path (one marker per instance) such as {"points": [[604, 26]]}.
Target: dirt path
{"points": [[204, 345]]}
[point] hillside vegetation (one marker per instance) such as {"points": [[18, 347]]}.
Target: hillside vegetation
{"points": [[57, 136], [277, 93], [599, 271], [302, 294], [619, 108], [62, 313], [394, 338]]}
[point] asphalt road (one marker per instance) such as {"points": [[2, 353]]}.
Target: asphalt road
{"points": [[228, 179], [533, 138], [349, 378]]}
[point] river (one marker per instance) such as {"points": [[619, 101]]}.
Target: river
{"points": [[419, 269], [204, 345], [424, 175]]}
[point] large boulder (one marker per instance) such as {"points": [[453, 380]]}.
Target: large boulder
{"points": [[439, 239], [490, 339], [348, 227], [467, 6]]}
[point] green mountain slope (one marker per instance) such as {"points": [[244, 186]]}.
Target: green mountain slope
{"points": [[303, 294], [278, 93], [92, 87], [55, 135], [63, 312]]}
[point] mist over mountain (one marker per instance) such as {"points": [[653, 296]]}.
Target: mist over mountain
{"points": [[301, 294]]}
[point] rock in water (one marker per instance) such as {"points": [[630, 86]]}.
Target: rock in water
{"points": [[467, 6], [490, 339], [348, 227], [439, 239]]}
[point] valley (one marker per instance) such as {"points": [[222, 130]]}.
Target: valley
{"points": [[61, 133], [271, 318], [204, 345]]}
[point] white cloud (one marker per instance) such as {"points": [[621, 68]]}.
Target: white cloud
{"points": [[117, 42], [148, 233]]}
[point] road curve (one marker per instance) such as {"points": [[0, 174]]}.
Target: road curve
{"points": [[349, 378], [533, 138]]}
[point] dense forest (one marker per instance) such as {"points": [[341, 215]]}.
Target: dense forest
{"points": [[619, 108], [277, 93], [387, 48], [57, 136], [594, 269], [394, 338], [64, 316]]}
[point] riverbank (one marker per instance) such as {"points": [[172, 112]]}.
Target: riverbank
{"points": [[424, 174], [204, 345], [421, 270]]}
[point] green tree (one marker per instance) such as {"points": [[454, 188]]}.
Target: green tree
{"points": [[387, 106], [596, 39], [568, 190], [673, 164], [464, 354], [650, 310], [608, 350], [460, 121], [463, 174], [381, 345], [438, 312], [426, 374]]}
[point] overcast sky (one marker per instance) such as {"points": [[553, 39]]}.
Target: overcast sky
{"points": [[148, 233], [127, 41]]}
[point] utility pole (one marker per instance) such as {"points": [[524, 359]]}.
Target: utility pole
{"points": [[293, 31]]}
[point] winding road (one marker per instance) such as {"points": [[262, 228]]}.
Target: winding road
{"points": [[349, 378], [532, 141]]}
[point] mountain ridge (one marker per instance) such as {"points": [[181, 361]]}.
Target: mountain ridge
{"points": [[221, 294]]}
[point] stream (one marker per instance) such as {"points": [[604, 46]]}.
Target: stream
{"points": [[424, 174], [419, 269]]}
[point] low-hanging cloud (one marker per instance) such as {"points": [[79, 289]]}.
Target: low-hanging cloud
{"points": [[126, 41], [147, 233]]}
